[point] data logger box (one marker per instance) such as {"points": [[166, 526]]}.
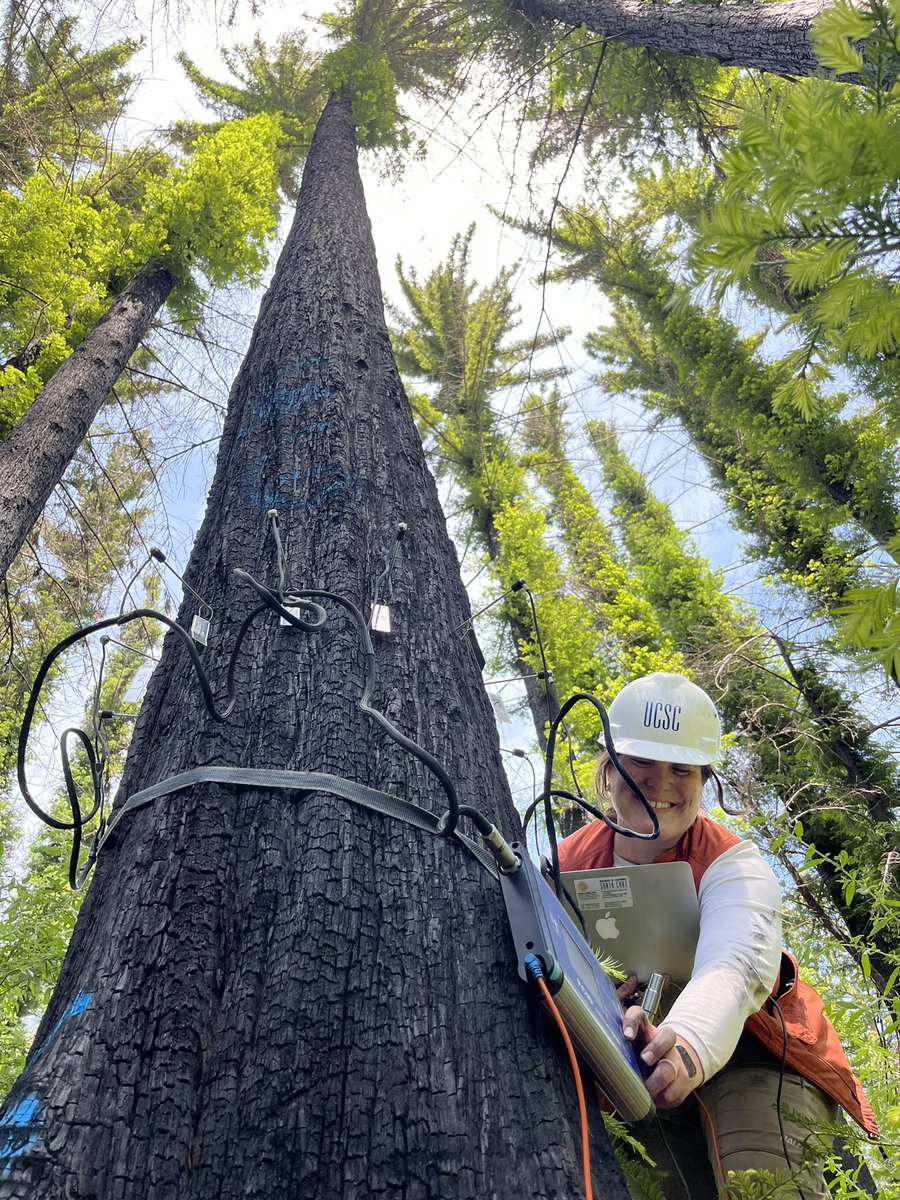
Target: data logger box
{"points": [[581, 989]]}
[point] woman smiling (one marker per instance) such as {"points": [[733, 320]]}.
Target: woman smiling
{"points": [[746, 1046]]}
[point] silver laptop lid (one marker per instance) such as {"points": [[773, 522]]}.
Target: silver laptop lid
{"points": [[644, 917]]}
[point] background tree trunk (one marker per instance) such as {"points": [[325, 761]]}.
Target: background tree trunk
{"points": [[287, 997], [768, 37], [43, 443]]}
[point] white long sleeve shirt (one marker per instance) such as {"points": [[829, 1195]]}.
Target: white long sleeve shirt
{"points": [[738, 955]]}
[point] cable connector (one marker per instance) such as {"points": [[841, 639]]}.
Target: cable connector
{"points": [[533, 968], [506, 858], [653, 992]]}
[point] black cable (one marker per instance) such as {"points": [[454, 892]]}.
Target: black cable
{"points": [[157, 554], [516, 587], [578, 698], [272, 514], [576, 909], [531, 810], [100, 744], [384, 579], [563, 794], [580, 801], [451, 817], [126, 594], [781, 1070], [121, 620], [78, 820], [97, 750], [548, 686], [540, 646], [595, 812]]}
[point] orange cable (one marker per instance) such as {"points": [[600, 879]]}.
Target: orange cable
{"points": [[582, 1107], [712, 1135]]}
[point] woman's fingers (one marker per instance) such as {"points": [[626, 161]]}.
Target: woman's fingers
{"points": [[625, 990], [636, 1026], [674, 1073]]}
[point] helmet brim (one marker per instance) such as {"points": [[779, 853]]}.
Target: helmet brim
{"points": [[663, 752]]}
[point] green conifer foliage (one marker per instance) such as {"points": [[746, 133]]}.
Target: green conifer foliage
{"points": [[56, 99], [281, 80], [456, 342], [634, 641], [812, 496], [382, 50], [813, 177], [644, 103], [67, 246], [593, 631]]}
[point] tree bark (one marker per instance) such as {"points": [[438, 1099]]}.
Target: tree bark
{"points": [[284, 997], [43, 443], [768, 37]]}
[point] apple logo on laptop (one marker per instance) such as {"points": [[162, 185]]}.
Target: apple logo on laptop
{"points": [[606, 927]]}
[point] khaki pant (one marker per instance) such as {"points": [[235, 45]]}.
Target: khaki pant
{"points": [[740, 1101]]}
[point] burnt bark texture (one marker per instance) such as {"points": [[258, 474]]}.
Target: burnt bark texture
{"points": [[43, 443], [283, 997], [768, 37]]}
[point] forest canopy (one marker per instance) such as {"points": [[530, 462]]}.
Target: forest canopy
{"points": [[645, 312]]}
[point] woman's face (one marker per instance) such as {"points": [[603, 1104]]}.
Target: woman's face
{"points": [[672, 789]]}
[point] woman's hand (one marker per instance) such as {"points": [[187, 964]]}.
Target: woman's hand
{"points": [[676, 1068]]}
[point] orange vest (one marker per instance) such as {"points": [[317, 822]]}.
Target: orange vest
{"points": [[813, 1049]]}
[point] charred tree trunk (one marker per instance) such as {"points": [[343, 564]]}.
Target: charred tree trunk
{"points": [[43, 443], [768, 37], [284, 997]]}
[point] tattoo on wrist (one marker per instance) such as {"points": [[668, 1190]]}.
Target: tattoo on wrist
{"points": [[689, 1064]]}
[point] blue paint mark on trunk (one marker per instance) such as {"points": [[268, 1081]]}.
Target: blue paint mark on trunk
{"points": [[75, 1009], [21, 1129], [292, 390]]}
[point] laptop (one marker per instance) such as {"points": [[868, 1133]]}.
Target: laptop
{"points": [[645, 918]]}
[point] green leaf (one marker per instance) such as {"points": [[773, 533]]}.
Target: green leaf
{"points": [[843, 20], [838, 54]]}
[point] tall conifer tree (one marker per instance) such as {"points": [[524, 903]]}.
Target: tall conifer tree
{"points": [[282, 995]]}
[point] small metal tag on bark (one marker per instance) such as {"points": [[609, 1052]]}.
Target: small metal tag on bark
{"points": [[200, 630], [380, 620], [294, 610], [501, 712]]}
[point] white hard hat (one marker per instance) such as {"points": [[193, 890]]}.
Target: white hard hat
{"points": [[667, 718]]}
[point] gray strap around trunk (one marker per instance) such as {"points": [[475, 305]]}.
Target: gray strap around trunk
{"points": [[306, 781]]}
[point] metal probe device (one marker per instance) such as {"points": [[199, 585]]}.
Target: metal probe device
{"points": [[656, 985]]}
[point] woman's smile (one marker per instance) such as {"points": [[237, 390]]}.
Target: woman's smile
{"points": [[673, 792]]}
